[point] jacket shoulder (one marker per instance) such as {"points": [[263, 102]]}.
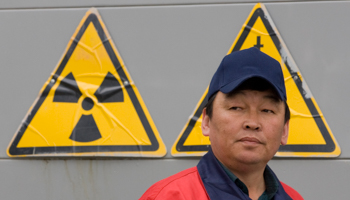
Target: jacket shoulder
{"points": [[186, 184], [291, 192]]}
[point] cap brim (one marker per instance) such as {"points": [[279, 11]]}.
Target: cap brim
{"points": [[235, 84]]}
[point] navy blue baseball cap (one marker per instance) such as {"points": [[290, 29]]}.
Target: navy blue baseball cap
{"points": [[240, 66]]}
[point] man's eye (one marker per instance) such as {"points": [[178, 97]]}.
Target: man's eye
{"points": [[268, 111], [235, 108]]}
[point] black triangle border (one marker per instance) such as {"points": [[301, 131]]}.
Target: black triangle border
{"points": [[327, 148], [13, 150]]}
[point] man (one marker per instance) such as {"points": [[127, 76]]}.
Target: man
{"points": [[246, 119]]}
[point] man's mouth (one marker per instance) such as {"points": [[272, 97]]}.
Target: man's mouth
{"points": [[250, 140]]}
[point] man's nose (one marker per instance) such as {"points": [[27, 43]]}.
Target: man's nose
{"points": [[252, 122]]}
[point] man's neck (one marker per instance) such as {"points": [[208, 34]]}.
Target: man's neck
{"points": [[252, 177]]}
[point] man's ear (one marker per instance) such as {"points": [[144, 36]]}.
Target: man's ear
{"points": [[285, 133], [205, 123]]}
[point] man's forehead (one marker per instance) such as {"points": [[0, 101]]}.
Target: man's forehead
{"points": [[269, 94]]}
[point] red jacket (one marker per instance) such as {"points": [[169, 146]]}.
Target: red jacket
{"points": [[204, 182]]}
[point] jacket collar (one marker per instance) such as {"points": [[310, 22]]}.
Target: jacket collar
{"points": [[220, 186]]}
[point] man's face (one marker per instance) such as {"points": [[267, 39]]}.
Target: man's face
{"points": [[246, 127]]}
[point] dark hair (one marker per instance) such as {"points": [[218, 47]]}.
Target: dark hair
{"points": [[257, 84]]}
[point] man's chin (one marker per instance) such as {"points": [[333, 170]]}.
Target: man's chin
{"points": [[251, 159]]}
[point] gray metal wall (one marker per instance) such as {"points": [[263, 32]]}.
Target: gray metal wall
{"points": [[171, 50]]}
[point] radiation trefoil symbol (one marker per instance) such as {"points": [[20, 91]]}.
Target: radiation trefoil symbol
{"points": [[68, 91]]}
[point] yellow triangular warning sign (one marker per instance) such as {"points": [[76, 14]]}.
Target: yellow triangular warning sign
{"points": [[309, 134], [89, 106]]}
